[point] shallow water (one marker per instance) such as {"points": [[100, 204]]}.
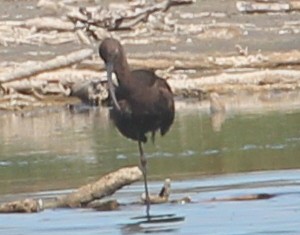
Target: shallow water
{"points": [[279, 215], [244, 153], [57, 149]]}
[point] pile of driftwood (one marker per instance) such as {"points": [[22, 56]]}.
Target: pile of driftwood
{"points": [[38, 84], [79, 24], [55, 81]]}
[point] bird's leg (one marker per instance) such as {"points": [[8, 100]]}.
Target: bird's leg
{"points": [[144, 170]]}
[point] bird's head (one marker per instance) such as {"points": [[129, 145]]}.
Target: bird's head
{"points": [[110, 50]]}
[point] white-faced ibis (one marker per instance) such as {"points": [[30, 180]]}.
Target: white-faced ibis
{"points": [[141, 103]]}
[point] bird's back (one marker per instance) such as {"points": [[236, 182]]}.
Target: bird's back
{"points": [[148, 107]]}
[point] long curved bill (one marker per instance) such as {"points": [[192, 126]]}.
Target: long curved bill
{"points": [[111, 88]]}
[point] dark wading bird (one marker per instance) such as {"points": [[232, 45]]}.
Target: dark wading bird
{"points": [[142, 102]]}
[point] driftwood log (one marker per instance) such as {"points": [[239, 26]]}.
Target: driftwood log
{"points": [[34, 68], [105, 186], [269, 80], [45, 83], [199, 62], [23, 206], [175, 61], [22, 86], [91, 195], [267, 6]]}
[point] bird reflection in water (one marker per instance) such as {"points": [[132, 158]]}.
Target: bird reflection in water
{"points": [[217, 111]]}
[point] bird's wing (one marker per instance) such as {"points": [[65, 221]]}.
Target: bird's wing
{"points": [[147, 77], [165, 105]]}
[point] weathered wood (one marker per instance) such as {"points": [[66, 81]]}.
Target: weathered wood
{"points": [[229, 82], [92, 92], [105, 186], [295, 5], [86, 196], [23, 206], [162, 196], [261, 7], [118, 20], [267, 6], [25, 86], [49, 24], [27, 71], [189, 61], [176, 61], [109, 205], [247, 74]]}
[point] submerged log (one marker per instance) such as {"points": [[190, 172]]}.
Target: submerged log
{"points": [[247, 197], [109, 205], [83, 197]]}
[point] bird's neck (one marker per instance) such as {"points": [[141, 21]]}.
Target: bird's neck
{"points": [[123, 72]]}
